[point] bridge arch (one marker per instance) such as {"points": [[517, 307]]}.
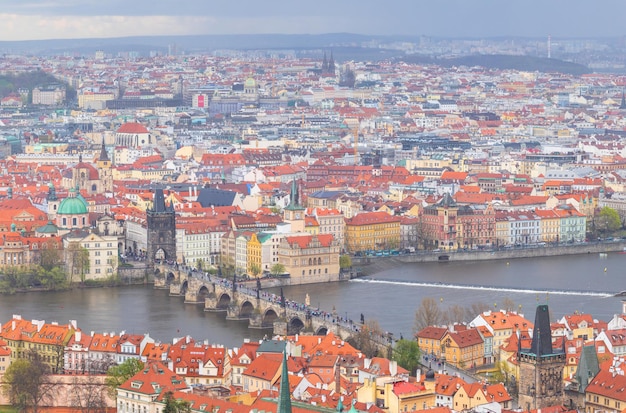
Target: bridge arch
{"points": [[203, 293], [169, 278], [269, 317], [184, 287], [295, 325], [223, 302], [322, 331], [246, 310]]}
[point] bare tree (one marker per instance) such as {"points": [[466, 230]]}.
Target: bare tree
{"points": [[369, 338], [455, 314], [427, 314], [476, 309], [89, 394]]}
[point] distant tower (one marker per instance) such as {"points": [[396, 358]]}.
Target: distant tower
{"points": [[549, 47], [294, 212], [161, 228], [104, 169], [324, 65], [622, 105], [541, 367], [331, 64]]}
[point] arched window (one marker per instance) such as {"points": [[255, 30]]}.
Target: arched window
{"points": [[74, 223]]}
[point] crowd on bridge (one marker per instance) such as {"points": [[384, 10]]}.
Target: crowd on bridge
{"points": [[306, 310]]}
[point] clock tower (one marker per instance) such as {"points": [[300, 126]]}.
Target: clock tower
{"points": [[541, 367], [294, 212]]}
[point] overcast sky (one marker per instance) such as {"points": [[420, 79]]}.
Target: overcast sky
{"points": [[56, 19]]}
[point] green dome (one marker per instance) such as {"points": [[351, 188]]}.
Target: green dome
{"points": [[73, 205], [49, 228]]}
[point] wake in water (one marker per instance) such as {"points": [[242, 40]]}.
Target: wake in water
{"points": [[486, 288]]}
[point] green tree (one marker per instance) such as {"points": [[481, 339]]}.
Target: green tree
{"points": [[608, 221], [255, 270], [277, 269], [27, 383], [50, 258], [407, 354], [345, 262], [200, 264], [117, 375], [173, 405]]}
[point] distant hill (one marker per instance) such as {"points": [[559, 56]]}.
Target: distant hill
{"points": [[28, 80], [522, 63]]}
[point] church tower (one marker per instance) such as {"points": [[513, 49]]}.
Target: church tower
{"points": [[284, 397], [104, 169], [294, 213], [541, 367], [161, 228]]}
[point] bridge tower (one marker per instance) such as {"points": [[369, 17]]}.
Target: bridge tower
{"points": [[161, 228]]}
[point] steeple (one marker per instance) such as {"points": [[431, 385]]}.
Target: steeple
{"points": [[623, 104], [324, 64], [104, 156], [331, 64], [284, 397]]}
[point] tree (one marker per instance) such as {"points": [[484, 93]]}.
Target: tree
{"points": [[88, 394], [200, 264], [117, 375], [50, 258], [427, 314], [78, 259], [255, 270], [277, 269], [369, 338], [345, 262], [27, 382], [407, 354], [608, 221], [173, 405]]}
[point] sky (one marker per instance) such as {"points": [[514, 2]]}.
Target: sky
{"points": [[70, 19]]}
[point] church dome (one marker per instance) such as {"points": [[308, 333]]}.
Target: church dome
{"points": [[250, 83], [73, 204], [132, 127]]}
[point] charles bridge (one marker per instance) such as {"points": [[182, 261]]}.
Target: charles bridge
{"points": [[263, 310]]}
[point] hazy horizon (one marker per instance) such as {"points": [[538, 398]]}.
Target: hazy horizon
{"points": [[84, 19]]}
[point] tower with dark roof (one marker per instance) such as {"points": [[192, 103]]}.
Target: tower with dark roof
{"points": [[622, 105], [104, 169], [161, 228], [541, 367], [294, 212]]}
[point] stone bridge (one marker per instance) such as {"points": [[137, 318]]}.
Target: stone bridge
{"points": [[262, 309]]}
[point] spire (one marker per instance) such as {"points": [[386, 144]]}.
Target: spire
{"points": [[331, 64], [324, 64], [158, 205], [104, 156], [623, 104], [542, 335], [284, 398]]}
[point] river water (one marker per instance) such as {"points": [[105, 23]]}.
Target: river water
{"points": [[583, 283]]}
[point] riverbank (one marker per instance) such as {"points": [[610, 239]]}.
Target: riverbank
{"points": [[373, 265]]}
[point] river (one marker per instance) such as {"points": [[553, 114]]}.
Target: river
{"points": [[583, 283]]}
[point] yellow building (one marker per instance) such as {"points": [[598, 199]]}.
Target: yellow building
{"points": [[464, 349], [550, 225], [396, 396], [254, 265], [430, 339], [48, 340], [370, 231]]}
